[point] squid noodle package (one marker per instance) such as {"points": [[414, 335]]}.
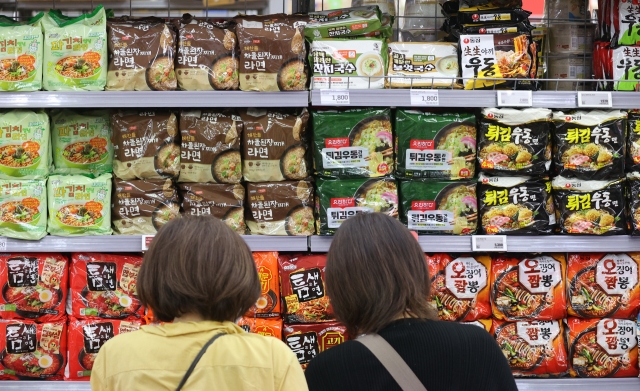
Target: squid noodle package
{"points": [[262, 326], [23, 208], [225, 202], [308, 340], [268, 304]]}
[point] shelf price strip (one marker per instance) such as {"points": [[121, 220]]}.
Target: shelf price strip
{"points": [[486, 243], [334, 97], [425, 98]]}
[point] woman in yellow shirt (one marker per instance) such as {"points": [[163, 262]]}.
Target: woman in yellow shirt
{"points": [[200, 274]]}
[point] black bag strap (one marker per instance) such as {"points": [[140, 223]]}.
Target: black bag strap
{"points": [[197, 359]]}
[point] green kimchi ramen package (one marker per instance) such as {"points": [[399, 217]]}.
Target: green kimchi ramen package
{"points": [[21, 54], [435, 145], [23, 208], [353, 143], [25, 148], [75, 51], [79, 205], [81, 143], [633, 141]]}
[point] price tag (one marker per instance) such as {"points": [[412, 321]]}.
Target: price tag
{"points": [[334, 97], [3, 243], [595, 99], [424, 98], [489, 243], [146, 241], [515, 99]]}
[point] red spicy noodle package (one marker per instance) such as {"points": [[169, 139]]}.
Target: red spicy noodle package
{"points": [[34, 286], [104, 286], [266, 327], [309, 340], [268, 304]]}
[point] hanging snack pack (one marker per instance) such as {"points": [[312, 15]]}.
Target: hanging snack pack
{"points": [[348, 22], [353, 143], [34, 286], [528, 287], [268, 304], [146, 144], [262, 326], [280, 208], [210, 146], [430, 207], [514, 142], [590, 144], [23, 209], [603, 285], [633, 141], [308, 340], [418, 64], [590, 207], [75, 51], [21, 55], [338, 200], [25, 148], [224, 202], [634, 202], [435, 145]]}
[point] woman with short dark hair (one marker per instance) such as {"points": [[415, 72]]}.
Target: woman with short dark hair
{"points": [[201, 275], [379, 284]]}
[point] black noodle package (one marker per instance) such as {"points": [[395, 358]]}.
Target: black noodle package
{"points": [[633, 141], [634, 202]]}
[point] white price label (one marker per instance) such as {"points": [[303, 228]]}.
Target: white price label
{"points": [[489, 243], [3, 243], [594, 99], [515, 99], [424, 98], [334, 97], [146, 241]]}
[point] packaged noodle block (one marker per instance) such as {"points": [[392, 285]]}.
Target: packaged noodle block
{"points": [[514, 142], [343, 22], [34, 286], [75, 51], [602, 347], [79, 205], [81, 142], [104, 286], [445, 207], [146, 144], [435, 145], [353, 143], [210, 146], [590, 145], [590, 207], [419, 64], [603, 285], [528, 287], [25, 149], [225, 202], [633, 141], [262, 326], [338, 200], [23, 208], [22, 57], [633, 195], [309, 340], [482, 323], [268, 304], [280, 208]]}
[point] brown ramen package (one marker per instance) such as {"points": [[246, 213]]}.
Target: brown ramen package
{"points": [[146, 144], [221, 201]]}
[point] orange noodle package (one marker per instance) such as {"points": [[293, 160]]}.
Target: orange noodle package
{"points": [[309, 340], [34, 286], [86, 337], [268, 304], [104, 286], [603, 285], [602, 347], [266, 327], [303, 288], [30, 350], [485, 324], [533, 348], [528, 287]]}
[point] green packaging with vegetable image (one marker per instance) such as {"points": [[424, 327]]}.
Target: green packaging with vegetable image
{"points": [[25, 146], [21, 54], [23, 209], [343, 22]]}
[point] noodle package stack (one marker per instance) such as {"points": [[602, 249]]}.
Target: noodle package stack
{"points": [[262, 326], [633, 141], [309, 340], [268, 304], [21, 54], [25, 146], [225, 202], [23, 208]]}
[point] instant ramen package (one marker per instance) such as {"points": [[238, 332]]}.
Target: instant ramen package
{"points": [[435, 145], [590, 207], [105, 286], [422, 64], [302, 283], [21, 54], [343, 22], [338, 200], [81, 143], [528, 287], [633, 141], [23, 209], [268, 304], [146, 144], [602, 347], [75, 51], [353, 143], [79, 206], [34, 286], [308, 340], [514, 142], [25, 148], [633, 178], [590, 144], [603, 285], [262, 326], [225, 202], [431, 207]]}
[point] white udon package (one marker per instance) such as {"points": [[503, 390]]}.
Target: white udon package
{"points": [[416, 64]]}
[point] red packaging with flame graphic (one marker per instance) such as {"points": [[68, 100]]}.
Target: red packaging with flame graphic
{"points": [[266, 327], [268, 304], [309, 340]]}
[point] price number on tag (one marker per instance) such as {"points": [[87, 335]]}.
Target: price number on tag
{"points": [[515, 99], [146, 241], [485, 243], [594, 99], [3, 243], [334, 97], [425, 98]]}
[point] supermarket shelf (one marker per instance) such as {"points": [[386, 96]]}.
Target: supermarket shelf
{"points": [[48, 386]]}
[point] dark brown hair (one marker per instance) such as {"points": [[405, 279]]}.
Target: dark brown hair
{"points": [[198, 264], [376, 271]]}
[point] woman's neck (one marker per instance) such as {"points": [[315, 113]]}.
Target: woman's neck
{"points": [[189, 317]]}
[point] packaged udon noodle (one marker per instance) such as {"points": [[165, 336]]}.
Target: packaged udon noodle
{"points": [[420, 64], [309, 340], [86, 337], [338, 200], [633, 198], [435, 145], [146, 144], [431, 207], [21, 54], [514, 142], [590, 145], [353, 143], [603, 285], [528, 287], [75, 51], [262, 326], [25, 146], [343, 22], [32, 351], [34, 286], [23, 208], [225, 202], [81, 142], [602, 347], [268, 304], [590, 207], [624, 22], [633, 141], [105, 286], [280, 208]]}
